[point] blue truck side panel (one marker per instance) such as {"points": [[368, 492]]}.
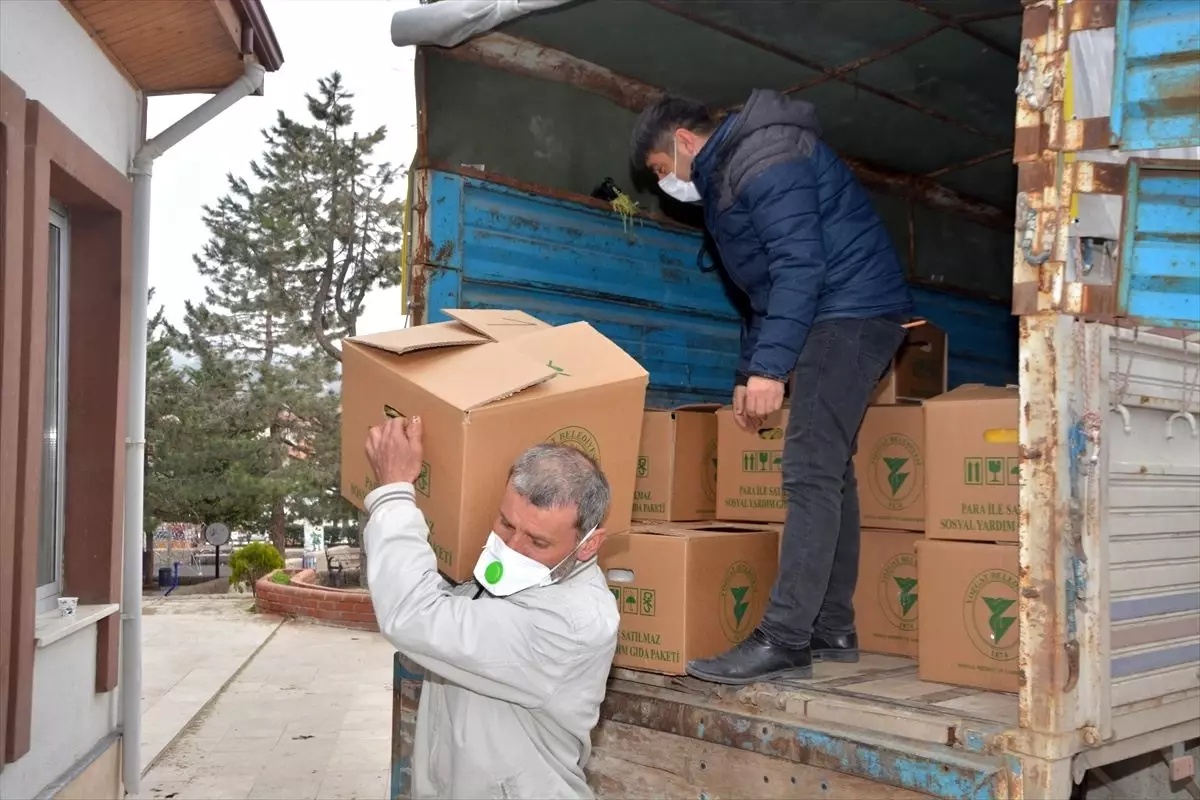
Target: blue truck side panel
{"points": [[1156, 85], [492, 246], [1160, 248]]}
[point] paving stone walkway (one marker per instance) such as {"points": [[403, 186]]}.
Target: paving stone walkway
{"points": [[308, 717], [191, 647]]}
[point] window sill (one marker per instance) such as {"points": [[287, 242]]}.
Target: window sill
{"points": [[51, 627]]}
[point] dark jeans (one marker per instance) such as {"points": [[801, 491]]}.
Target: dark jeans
{"points": [[839, 367]]}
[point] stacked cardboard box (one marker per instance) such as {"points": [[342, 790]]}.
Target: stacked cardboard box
{"points": [[688, 591], [750, 469], [750, 463], [677, 465], [675, 473], [890, 466], [968, 566], [687, 587]]}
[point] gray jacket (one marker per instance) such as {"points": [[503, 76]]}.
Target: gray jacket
{"points": [[513, 686]]}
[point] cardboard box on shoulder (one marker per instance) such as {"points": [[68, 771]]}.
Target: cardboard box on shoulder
{"points": [[677, 465], [970, 633], [890, 466], [488, 386], [886, 602], [973, 465], [750, 469], [919, 370], [687, 592]]}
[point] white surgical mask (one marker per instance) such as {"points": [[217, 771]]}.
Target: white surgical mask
{"points": [[683, 191], [503, 571]]}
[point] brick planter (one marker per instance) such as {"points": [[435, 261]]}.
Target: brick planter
{"points": [[345, 608]]}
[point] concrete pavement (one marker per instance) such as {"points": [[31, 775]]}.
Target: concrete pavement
{"points": [[191, 647], [307, 717]]}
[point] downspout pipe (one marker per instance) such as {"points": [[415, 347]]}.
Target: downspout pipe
{"points": [[250, 82]]}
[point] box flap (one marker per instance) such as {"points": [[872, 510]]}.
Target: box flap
{"points": [[922, 335], [465, 378], [421, 337], [582, 357], [471, 377], [497, 324], [699, 407], [705, 530], [695, 407], [975, 392]]}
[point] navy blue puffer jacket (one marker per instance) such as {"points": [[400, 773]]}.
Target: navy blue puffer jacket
{"points": [[794, 229]]}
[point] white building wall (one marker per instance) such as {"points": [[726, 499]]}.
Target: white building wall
{"points": [[69, 718], [45, 51]]}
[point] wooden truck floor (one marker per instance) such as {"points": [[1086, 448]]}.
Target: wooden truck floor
{"points": [[862, 731], [865, 730]]}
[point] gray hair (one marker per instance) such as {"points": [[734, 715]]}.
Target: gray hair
{"points": [[559, 476]]}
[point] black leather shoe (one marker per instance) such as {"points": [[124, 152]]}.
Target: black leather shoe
{"points": [[835, 648], [754, 660]]}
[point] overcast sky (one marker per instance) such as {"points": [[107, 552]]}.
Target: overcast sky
{"points": [[317, 37]]}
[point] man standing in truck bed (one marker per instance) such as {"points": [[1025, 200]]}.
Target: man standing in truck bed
{"points": [[827, 295]]}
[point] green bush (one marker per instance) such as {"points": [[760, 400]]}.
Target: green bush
{"points": [[282, 578], [250, 563]]}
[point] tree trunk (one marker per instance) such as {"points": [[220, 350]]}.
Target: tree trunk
{"points": [[148, 559], [279, 529]]}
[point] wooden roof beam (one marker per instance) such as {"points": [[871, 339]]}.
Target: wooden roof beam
{"points": [[523, 57]]}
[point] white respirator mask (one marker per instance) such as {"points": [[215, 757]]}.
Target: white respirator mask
{"points": [[683, 191], [503, 571]]}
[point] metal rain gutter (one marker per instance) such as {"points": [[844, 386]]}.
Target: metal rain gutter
{"points": [[250, 82]]}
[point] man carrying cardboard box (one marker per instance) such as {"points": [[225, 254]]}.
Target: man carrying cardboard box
{"points": [[827, 297], [516, 661]]}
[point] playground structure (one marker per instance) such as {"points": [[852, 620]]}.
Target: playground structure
{"points": [[182, 542]]}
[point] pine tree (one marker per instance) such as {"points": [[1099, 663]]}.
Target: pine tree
{"points": [[291, 256], [344, 238], [346, 231], [203, 458], [249, 323]]}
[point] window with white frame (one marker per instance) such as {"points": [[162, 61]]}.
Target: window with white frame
{"points": [[53, 506]]}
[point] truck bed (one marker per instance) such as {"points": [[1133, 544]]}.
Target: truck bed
{"points": [[865, 730]]}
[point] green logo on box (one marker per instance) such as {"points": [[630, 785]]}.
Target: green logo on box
{"points": [[422, 482], [738, 593], [896, 469], [898, 592], [990, 613], [643, 467]]}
